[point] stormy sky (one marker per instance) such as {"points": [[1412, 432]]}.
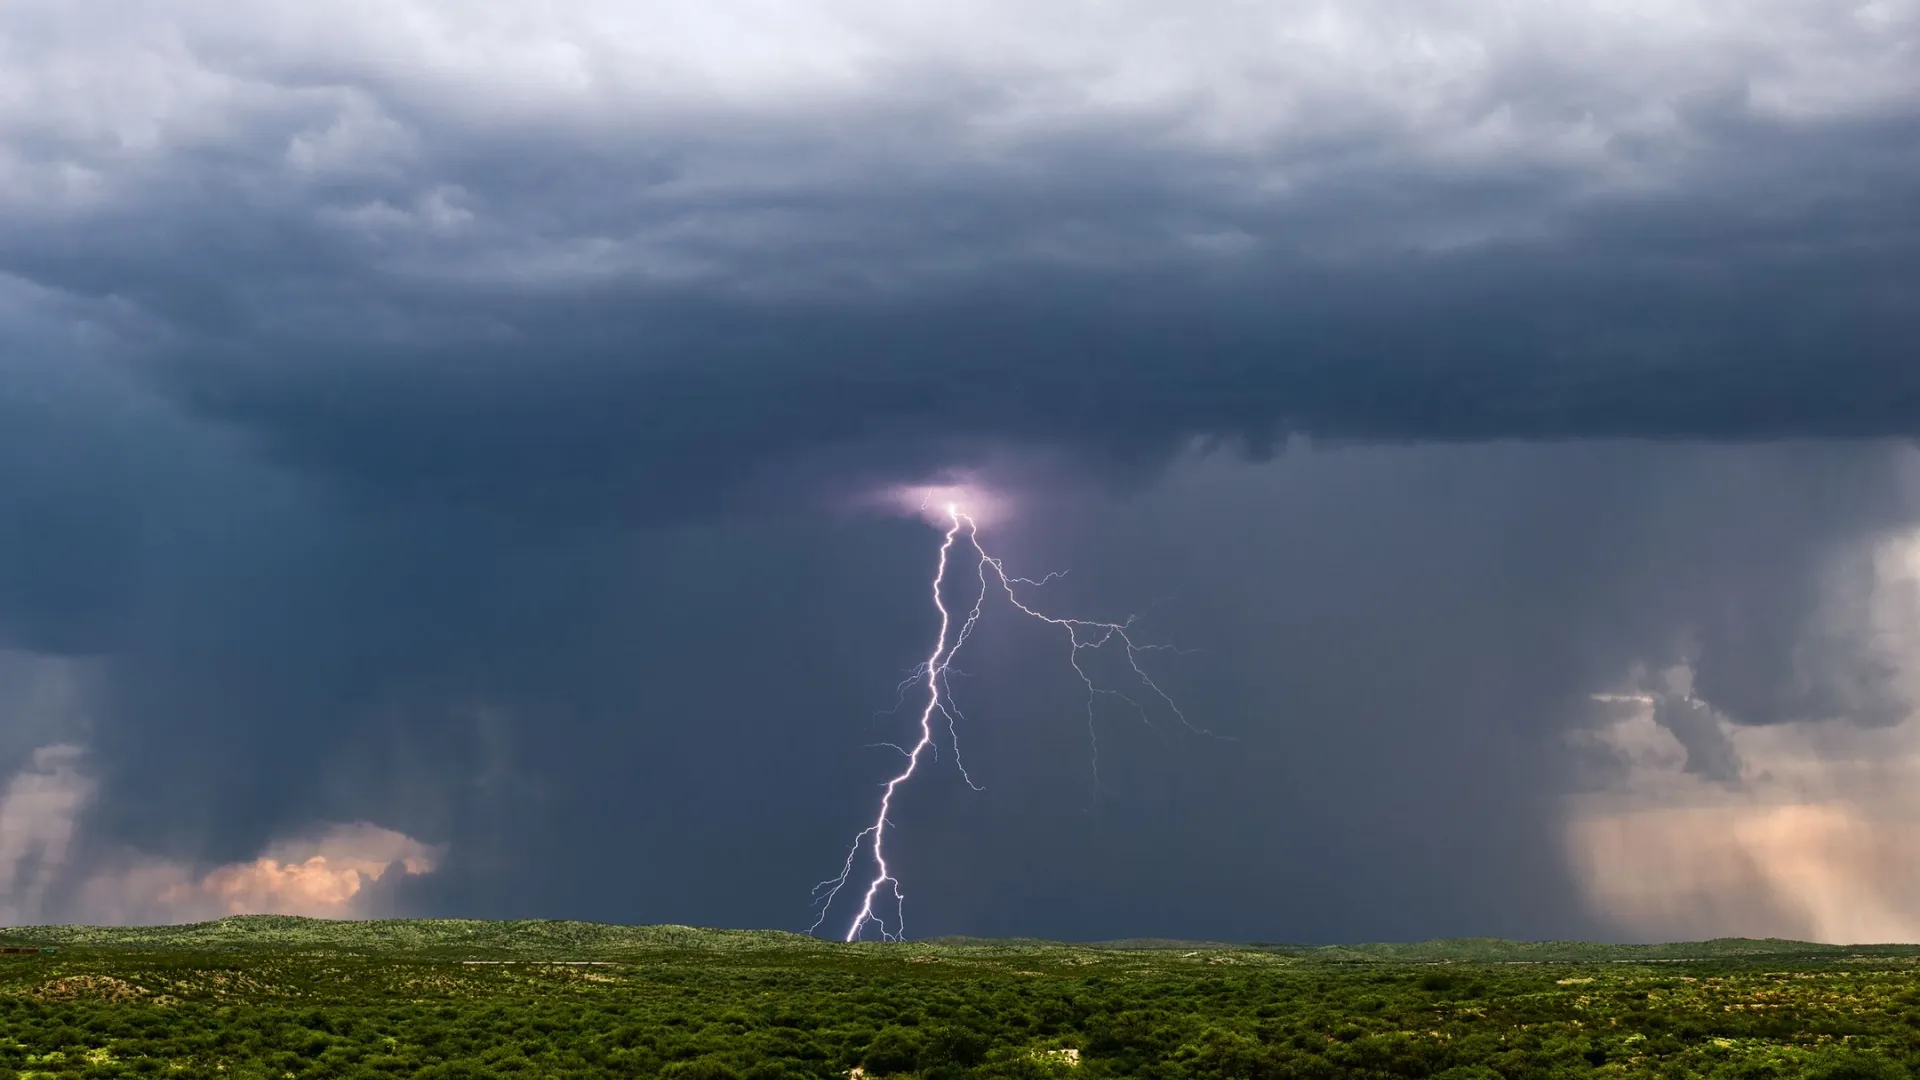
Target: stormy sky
{"points": [[441, 449]]}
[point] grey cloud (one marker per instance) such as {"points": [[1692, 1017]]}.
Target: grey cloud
{"points": [[38, 807], [566, 709], [66, 478], [436, 434], [1709, 752], [660, 297]]}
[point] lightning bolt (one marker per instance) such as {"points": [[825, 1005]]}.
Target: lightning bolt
{"points": [[932, 674]]}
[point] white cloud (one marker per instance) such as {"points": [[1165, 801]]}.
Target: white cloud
{"points": [[676, 128]]}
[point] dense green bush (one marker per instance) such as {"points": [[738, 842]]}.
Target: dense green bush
{"points": [[950, 1044], [670, 1004]]}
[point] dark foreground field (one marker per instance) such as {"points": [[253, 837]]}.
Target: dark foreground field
{"points": [[280, 997]]}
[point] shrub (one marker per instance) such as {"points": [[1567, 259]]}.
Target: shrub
{"points": [[1852, 1066], [893, 1050], [953, 1045], [702, 1068]]}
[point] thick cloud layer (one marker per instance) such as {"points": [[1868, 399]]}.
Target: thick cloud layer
{"points": [[678, 724], [445, 417], [649, 260]]}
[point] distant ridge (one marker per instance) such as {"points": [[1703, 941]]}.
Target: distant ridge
{"points": [[517, 935], [1493, 950], [548, 937]]}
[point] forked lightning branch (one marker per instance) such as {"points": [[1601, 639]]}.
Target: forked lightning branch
{"points": [[882, 901]]}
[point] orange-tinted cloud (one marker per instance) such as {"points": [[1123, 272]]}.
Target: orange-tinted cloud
{"points": [[1805, 830], [322, 877], [1811, 871], [326, 873]]}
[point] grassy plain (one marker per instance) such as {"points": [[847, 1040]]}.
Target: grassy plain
{"points": [[259, 997]]}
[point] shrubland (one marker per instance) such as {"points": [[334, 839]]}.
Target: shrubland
{"points": [[278, 997]]}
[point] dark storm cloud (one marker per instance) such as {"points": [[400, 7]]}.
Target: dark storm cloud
{"points": [[565, 308], [68, 467], [428, 417], [675, 724]]}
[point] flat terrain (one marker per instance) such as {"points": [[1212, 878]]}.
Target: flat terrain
{"points": [[282, 997]]}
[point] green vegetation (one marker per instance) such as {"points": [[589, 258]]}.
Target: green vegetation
{"points": [[278, 997]]}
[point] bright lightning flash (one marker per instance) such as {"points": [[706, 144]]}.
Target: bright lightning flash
{"points": [[884, 888]]}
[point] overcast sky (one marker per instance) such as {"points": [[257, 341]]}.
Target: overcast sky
{"points": [[441, 449]]}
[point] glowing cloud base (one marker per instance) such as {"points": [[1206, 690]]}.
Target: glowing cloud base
{"points": [[962, 527]]}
